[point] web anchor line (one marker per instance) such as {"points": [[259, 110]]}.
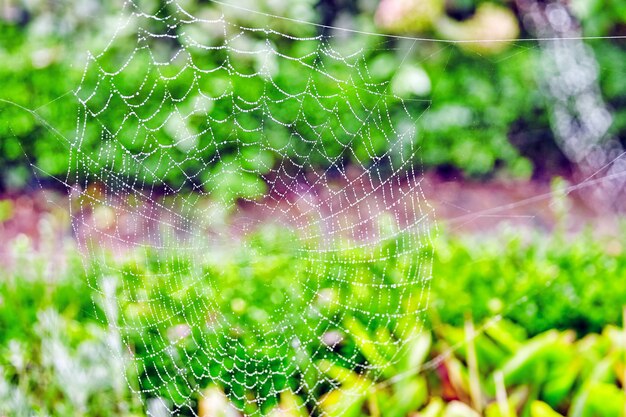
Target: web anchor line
{"points": [[581, 119]]}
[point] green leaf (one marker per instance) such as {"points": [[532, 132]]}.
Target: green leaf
{"points": [[541, 409]]}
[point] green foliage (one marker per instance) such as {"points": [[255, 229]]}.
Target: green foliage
{"points": [[475, 106], [541, 377], [55, 353], [535, 283], [540, 283], [468, 107], [251, 295]]}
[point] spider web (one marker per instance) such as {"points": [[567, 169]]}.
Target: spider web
{"points": [[261, 186]]}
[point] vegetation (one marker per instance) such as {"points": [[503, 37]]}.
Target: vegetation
{"points": [[520, 323], [483, 110], [519, 293]]}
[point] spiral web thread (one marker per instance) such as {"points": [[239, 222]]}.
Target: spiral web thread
{"points": [[202, 141]]}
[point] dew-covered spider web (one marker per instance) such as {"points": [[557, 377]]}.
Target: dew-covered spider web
{"points": [[259, 185]]}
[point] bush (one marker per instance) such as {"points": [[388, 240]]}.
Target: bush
{"points": [[539, 283], [472, 113]]}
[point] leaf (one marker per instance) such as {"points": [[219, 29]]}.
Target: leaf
{"points": [[522, 363], [506, 334], [459, 409], [458, 377], [417, 352], [561, 381], [408, 395], [541, 409], [6, 210], [602, 372], [368, 347], [603, 400], [290, 406], [342, 375], [493, 410], [433, 409]]}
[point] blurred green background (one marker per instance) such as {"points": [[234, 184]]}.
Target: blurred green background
{"points": [[520, 323], [485, 118]]}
